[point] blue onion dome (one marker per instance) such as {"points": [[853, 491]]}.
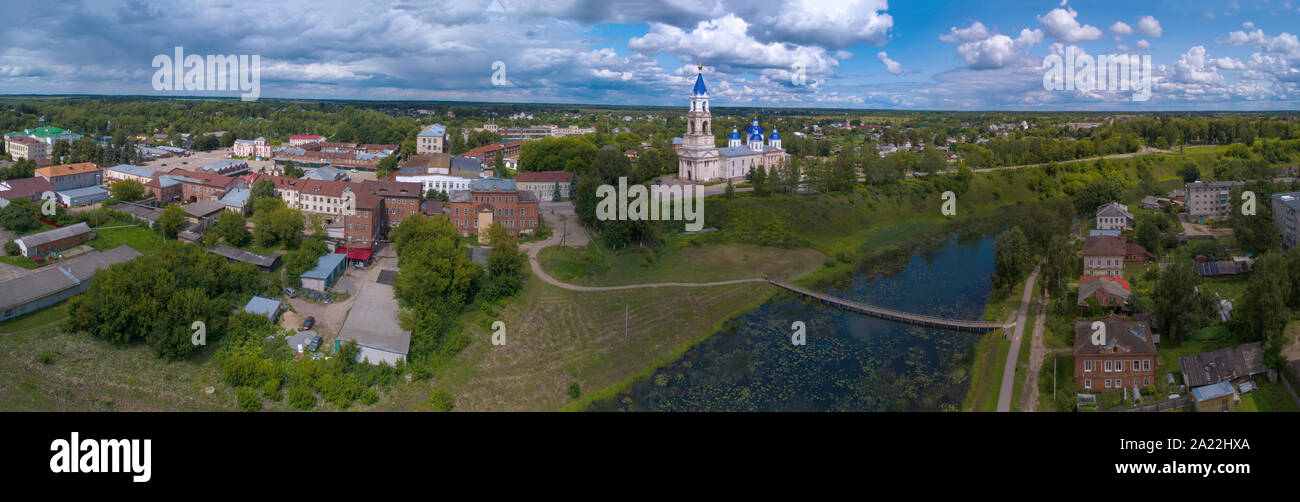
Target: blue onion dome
{"points": [[774, 134], [735, 134], [754, 128], [756, 138]]}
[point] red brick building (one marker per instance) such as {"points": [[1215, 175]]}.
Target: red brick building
{"points": [[364, 225], [196, 186], [492, 200], [487, 153], [401, 199], [1125, 357]]}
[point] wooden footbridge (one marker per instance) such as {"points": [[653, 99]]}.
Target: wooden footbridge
{"points": [[894, 315]]}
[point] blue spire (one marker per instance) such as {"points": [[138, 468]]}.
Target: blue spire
{"points": [[700, 90]]}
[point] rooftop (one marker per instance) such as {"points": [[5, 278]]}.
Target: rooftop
{"points": [[1103, 245], [372, 323], [67, 169], [544, 177], [59, 276], [325, 265], [48, 236]]}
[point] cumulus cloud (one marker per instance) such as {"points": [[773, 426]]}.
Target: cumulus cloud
{"points": [[829, 24], [1121, 28], [726, 42], [1195, 67], [998, 51], [1284, 43], [891, 66], [1149, 26], [1062, 24], [976, 31]]}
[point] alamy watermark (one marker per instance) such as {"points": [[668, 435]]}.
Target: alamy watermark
{"points": [[658, 202], [232, 72], [1080, 71]]}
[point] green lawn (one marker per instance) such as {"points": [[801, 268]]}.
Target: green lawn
{"points": [[595, 266], [41, 317], [140, 239], [21, 261], [1267, 397]]}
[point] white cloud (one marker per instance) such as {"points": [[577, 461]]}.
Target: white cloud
{"points": [[726, 42], [976, 31], [998, 51], [1143, 44], [891, 66], [831, 24], [1062, 25], [1121, 28], [1195, 67], [1149, 26], [1284, 43]]}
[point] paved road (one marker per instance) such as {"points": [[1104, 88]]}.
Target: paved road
{"points": [[1013, 355]]}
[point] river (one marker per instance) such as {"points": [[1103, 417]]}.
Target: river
{"points": [[849, 362]]}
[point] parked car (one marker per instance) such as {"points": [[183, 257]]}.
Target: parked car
{"points": [[308, 323], [315, 343], [289, 292]]}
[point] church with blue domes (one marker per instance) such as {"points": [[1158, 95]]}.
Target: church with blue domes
{"points": [[699, 158]]}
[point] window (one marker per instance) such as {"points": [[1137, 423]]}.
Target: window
{"points": [[1087, 383], [1107, 365], [1087, 366], [1119, 365], [1146, 364], [1107, 383]]}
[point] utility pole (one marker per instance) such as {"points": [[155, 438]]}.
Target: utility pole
{"points": [[1053, 379], [625, 307]]}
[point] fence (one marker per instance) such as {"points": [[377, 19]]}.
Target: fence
{"points": [[1166, 405]]}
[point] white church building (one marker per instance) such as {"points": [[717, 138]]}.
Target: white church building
{"points": [[699, 158]]}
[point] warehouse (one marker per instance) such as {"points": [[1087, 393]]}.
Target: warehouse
{"points": [[328, 269], [82, 196], [41, 243], [49, 285]]}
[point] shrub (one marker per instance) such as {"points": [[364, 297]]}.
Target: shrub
{"points": [[574, 390], [271, 389], [441, 400], [47, 356], [301, 397], [247, 399], [11, 248], [369, 397]]}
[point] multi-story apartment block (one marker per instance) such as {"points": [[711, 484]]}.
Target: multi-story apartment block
{"points": [[1286, 216], [26, 147], [1209, 200], [432, 139]]}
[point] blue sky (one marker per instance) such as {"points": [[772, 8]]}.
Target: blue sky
{"points": [[964, 55]]}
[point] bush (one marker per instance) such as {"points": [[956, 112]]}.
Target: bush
{"points": [[574, 390], [48, 356], [301, 397], [441, 400], [369, 397], [11, 248], [271, 389], [247, 399]]}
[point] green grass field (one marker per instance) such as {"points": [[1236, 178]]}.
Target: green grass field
{"points": [[140, 239], [54, 313], [595, 266]]}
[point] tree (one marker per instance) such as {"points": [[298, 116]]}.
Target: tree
{"points": [[555, 193], [304, 258], [171, 221], [505, 264], [435, 280], [274, 222], [1149, 236], [232, 228], [499, 166], [127, 190], [1011, 258], [20, 216], [1058, 261], [730, 193], [1189, 172], [1178, 307], [1263, 311], [263, 188]]}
